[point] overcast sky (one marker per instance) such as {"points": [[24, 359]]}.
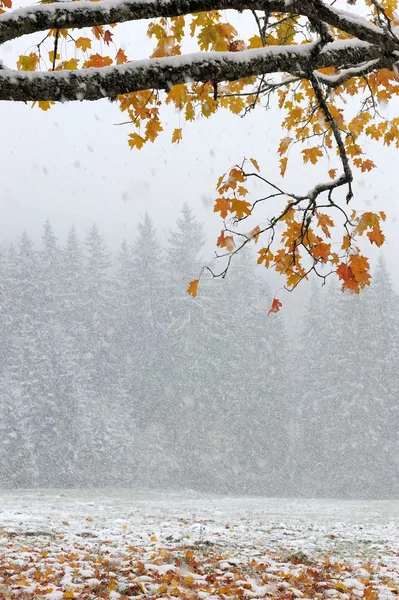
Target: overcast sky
{"points": [[72, 164]]}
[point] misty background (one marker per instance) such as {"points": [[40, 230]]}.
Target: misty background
{"points": [[111, 375]]}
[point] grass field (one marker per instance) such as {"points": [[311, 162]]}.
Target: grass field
{"points": [[103, 544]]}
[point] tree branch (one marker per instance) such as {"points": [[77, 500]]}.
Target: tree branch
{"points": [[162, 73], [63, 15]]}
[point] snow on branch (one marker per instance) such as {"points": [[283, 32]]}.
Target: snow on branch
{"points": [[163, 73], [84, 13]]}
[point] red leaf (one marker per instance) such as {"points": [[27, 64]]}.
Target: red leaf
{"points": [[108, 37], [275, 307]]}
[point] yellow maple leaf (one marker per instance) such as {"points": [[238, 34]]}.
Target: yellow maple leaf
{"points": [[283, 165], [71, 64], [312, 155], [177, 136], [136, 141], [83, 43], [152, 129], [240, 207]]}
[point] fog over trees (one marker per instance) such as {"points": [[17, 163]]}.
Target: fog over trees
{"points": [[112, 375]]}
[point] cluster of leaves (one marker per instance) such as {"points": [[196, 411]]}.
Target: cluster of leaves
{"points": [[319, 118], [190, 572]]}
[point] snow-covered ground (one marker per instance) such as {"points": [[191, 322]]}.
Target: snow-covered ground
{"points": [[111, 544]]}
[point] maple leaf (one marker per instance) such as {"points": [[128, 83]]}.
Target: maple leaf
{"points": [[275, 307], [321, 251], [177, 136], [152, 129], [226, 242], [83, 43], [344, 272], [223, 206], [254, 234], [312, 155], [120, 57], [107, 37], [255, 164], [376, 236], [45, 104], [255, 42], [346, 242], [324, 222], [283, 166], [98, 61], [28, 62], [71, 64], [193, 288], [360, 269], [284, 145], [240, 207], [363, 165], [266, 256], [136, 141], [332, 173]]}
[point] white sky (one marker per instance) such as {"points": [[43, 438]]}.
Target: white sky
{"points": [[72, 164]]}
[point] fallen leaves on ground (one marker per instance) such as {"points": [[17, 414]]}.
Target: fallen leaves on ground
{"points": [[47, 566]]}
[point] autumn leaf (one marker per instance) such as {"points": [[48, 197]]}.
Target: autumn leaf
{"points": [[98, 61], [284, 145], [83, 44], [332, 173], [28, 62], [265, 256], [193, 288], [241, 208], [324, 222], [344, 272], [226, 242], [376, 236], [312, 155], [152, 129], [255, 163], [346, 243], [45, 104], [254, 234], [71, 64], [177, 136], [107, 37], [360, 268], [136, 141], [283, 166], [120, 57], [223, 206], [275, 307]]}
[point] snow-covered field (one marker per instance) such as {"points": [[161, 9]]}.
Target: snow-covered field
{"points": [[111, 544]]}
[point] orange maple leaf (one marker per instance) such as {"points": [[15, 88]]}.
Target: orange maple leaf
{"points": [[223, 206], [226, 242], [324, 221], [98, 61], [120, 57], [193, 287], [275, 307], [344, 272]]}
